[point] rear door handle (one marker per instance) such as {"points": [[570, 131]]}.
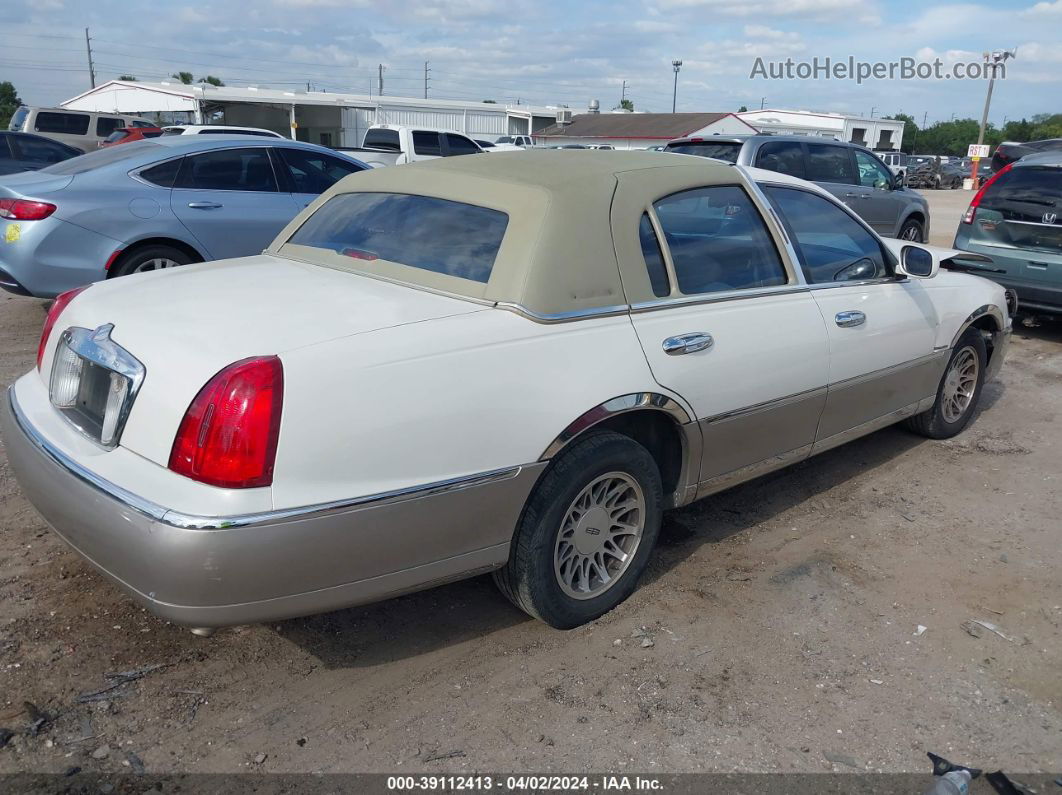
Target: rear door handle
{"points": [[688, 343], [1036, 265], [204, 205], [850, 319]]}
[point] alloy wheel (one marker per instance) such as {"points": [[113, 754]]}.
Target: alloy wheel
{"points": [[154, 264], [599, 535], [960, 383]]}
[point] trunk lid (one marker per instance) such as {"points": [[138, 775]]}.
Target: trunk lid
{"points": [[32, 184], [187, 324]]}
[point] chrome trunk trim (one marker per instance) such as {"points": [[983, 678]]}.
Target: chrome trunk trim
{"points": [[168, 516]]}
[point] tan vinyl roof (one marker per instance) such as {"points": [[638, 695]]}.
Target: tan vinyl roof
{"points": [[557, 255]]}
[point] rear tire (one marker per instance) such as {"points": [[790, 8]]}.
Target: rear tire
{"points": [[149, 258], [959, 391], [586, 533]]}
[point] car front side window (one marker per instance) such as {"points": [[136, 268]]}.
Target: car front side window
{"points": [[872, 174], [831, 244], [718, 241]]}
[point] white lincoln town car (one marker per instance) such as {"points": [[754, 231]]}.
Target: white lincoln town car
{"points": [[512, 364]]}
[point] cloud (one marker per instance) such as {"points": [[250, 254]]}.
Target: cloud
{"points": [[1044, 9], [764, 32], [747, 8]]}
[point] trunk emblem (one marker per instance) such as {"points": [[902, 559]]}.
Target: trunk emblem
{"points": [[1049, 218]]}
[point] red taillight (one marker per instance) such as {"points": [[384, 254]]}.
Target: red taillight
{"points": [[25, 210], [229, 434], [976, 202], [54, 311]]}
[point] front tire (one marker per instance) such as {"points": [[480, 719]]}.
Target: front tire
{"points": [[586, 533], [912, 230], [959, 391]]}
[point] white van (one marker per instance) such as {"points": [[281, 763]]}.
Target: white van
{"points": [[896, 161], [83, 130]]}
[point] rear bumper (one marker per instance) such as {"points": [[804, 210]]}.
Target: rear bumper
{"points": [[48, 257], [285, 565]]}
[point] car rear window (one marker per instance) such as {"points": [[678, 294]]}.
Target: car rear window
{"points": [[382, 139], [720, 150], [99, 158], [438, 235], [1025, 194]]}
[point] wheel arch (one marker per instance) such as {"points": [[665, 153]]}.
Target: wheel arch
{"points": [[659, 423], [158, 240], [991, 321]]}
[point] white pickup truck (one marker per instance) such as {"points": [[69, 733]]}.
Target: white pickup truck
{"points": [[393, 145]]}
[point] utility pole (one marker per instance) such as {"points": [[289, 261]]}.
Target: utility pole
{"points": [[872, 112], [623, 93], [88, 49], [762, 100], [426, 79], [994, 59], [925, 118], [676, 65], [379, 85]]}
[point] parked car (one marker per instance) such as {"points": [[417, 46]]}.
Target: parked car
{"points": [[403, 425], [895, 161], [126, 135], [488, 146], [522, 141], [392, 145], [217, 129], [1016, 219], [850, 172], [155, 204], [83, 130], [25, 152], [936, 176], [1010, 151]]}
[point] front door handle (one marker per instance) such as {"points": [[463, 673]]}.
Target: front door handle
{"points": [[204, 205], [851, 195], [688, 343], [850, 319]]}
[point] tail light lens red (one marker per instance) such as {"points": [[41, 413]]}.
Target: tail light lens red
{"points": [[56, 309], [228, 437], [976, 202], [25, 210]]}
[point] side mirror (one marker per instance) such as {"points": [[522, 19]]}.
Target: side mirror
{"points": [[897, 181], [918, 263]]}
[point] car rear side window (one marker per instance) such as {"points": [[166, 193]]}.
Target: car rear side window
{"points": [[18, 119], [228, 169], [785, 157], [426, 142], [720, 150], [831, 244], [654, 258], [718, 241], [67, 123], [830, 164], [437, 235], [163, 174], [105, 125]]}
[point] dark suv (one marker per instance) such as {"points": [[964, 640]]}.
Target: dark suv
{"points": [[852, 173], [1016, 219]]}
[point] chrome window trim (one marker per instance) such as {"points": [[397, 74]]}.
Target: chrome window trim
{"points": [[187, 521], [715, 298], [97, 347], [563, 317], [1033, 223]]}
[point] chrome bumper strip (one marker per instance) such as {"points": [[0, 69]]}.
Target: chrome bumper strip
{"points": [[187, 521]]}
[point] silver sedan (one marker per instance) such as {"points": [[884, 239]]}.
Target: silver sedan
{"points": [[155, 204]]}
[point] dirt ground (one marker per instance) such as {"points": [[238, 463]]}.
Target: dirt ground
{"points": [[778, 629]]}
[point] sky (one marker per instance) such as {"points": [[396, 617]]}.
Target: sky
{"points": [[548, 52]]}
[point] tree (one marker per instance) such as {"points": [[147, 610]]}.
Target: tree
{"points": [[184, 77], [127, 77], [743, 109], [910, 131], [627, 104], [9, 103], [214, 81]]}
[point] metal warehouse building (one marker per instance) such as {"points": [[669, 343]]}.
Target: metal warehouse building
{"points": [[319, 117], [883, 134]]}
